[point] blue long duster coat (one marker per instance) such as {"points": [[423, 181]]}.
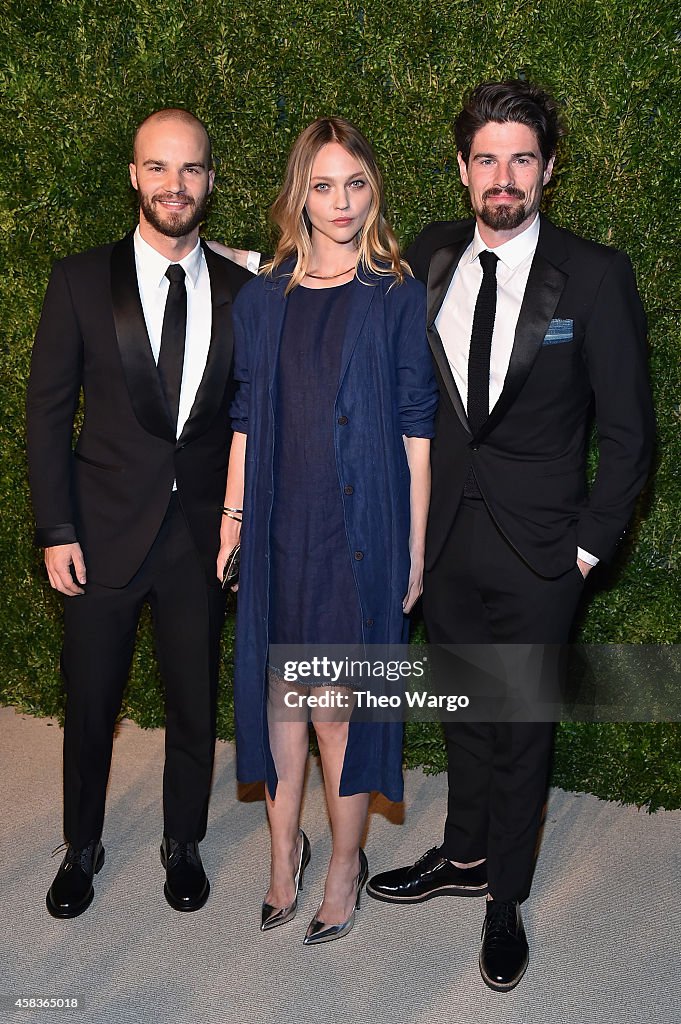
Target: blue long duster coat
{"points": [[386, 389]]}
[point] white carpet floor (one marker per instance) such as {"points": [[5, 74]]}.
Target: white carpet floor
{"points": [[603, 921]]}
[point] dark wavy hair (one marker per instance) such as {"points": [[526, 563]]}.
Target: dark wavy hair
{"points": [[513, 100]]}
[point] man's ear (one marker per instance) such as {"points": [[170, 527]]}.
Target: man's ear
{"points": [[211, 181], [463, 170], [133, 175], [548, 170]]}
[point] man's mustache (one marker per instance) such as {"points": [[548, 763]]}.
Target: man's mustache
{"points": [[515, 193], [171, 197]]}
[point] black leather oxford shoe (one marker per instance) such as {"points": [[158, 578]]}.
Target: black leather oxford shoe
{"points": [[504, 953], [432, 875], [186, 887], [72, 891]]}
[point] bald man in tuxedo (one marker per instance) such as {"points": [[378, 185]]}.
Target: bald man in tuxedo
{"points": [[143, 329]]}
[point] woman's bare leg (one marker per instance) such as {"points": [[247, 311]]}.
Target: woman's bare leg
{"points": [[289, 743], [348, 816]]}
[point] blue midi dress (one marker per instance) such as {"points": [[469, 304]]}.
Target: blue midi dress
{"points": [[313, 597]]}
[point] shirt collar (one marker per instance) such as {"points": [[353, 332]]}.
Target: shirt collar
{"points": [[152, 265], [513, 252]]}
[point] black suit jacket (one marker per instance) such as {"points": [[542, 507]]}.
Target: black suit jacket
{"points": [[111, 493], [579, 345]]}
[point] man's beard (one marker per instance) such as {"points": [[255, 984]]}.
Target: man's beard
{"points": [[174, 225], [504, 216]]}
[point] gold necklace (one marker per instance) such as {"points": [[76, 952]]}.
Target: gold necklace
{"points": [[330, 277]]}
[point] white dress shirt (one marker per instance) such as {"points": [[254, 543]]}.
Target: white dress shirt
{"points": [[253, 261], [454, 322], [153, 286]]}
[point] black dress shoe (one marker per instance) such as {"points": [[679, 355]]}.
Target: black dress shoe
{"points": [[186, 887], [504, 953], [431, 875], [72, 890]]}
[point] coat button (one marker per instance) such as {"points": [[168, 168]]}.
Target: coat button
{"points": [[475, 447], [359, 555], [348, 489], [342, 420], [370, 622]]}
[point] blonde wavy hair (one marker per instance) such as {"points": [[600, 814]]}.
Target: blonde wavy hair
{"points": [[377, 248]]}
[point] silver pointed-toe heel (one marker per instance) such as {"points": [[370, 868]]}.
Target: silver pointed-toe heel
{"points": [[272, 917], [319, 932]]}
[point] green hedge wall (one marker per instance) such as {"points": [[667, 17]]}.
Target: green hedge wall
{"points": [[77, 75]]}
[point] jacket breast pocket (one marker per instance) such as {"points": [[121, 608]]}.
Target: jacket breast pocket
{"points": [[560, 332]]}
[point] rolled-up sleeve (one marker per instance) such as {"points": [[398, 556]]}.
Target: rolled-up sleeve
{"points": [[417, 392]]}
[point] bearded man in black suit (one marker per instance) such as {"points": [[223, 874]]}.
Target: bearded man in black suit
{"points": [[531, 328], [143, 328]]}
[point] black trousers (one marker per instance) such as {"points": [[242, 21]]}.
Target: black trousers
{"points": [[99, 636], [482, 592]]}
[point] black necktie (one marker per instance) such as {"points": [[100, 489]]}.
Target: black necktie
{"points": [[481, 343], [171, 355], [479, 356]]}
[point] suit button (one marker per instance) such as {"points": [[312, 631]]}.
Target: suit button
{"points": [[359, 555], [475, 447], [348, 489], [342, 420], [370, 622]]}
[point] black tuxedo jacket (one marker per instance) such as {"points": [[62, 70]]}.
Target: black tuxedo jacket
{"points": [[112, 492], [579, 347]]}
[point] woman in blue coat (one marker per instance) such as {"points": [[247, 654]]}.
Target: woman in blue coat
{"points": [[330, 468]]}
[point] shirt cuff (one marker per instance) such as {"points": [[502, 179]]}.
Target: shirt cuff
{"points": [[253, 262], [585, 556]]}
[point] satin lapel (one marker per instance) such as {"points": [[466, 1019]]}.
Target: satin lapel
{"points": [[139, 368], [443, 264], [211, 390], [544, 288], [362, 297]]}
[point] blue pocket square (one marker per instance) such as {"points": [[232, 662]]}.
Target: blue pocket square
{"points": [[559, 332]]}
